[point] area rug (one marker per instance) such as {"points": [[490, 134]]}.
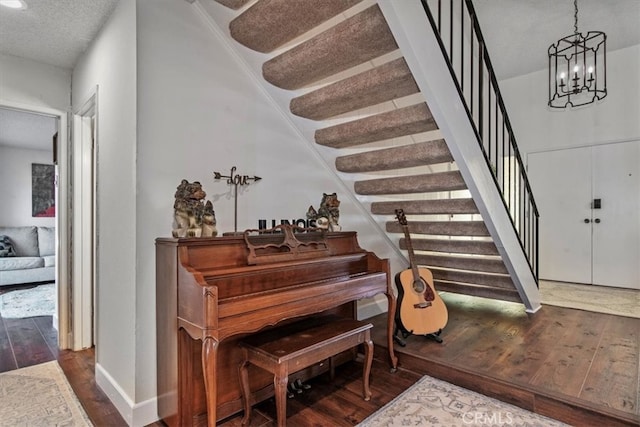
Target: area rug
{"points": [[39, 395], [36, 301], [600, 299], [432, 402]]}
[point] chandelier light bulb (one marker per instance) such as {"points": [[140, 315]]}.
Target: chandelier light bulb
{"points": [[13, 4]]}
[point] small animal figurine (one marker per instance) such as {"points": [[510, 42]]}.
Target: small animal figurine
{"points": [[209, 221], [328, 213], [189, 209]]}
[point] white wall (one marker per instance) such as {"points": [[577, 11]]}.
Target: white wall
{"points": [[110, 64], [615, 118], [31, 84], [200, 110], [15, 186]]}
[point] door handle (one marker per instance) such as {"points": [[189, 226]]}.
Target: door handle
{"points": [[597, 220], [587, 220]]}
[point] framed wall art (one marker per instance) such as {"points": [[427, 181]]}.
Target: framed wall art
{"points": [[43, 198]]}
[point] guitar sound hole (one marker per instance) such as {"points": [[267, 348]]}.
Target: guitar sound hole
{"points": [[418, 286]]}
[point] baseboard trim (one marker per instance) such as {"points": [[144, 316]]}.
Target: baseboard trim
{"points": [[135, 414]]}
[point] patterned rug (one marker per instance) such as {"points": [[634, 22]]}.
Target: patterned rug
{"points": [[36, 301], [601, 299], [39, 396], [432, 402]]}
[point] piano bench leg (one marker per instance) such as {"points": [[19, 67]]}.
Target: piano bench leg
{"points": [[280, 381]]}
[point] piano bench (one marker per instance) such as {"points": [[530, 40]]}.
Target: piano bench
{"points": [[285, 353]]}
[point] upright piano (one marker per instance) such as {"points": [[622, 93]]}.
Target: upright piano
{"points": [[212, 292]]}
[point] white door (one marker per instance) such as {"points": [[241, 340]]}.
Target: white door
{"points": [[616, 225], [579, 242], [561, 185]]}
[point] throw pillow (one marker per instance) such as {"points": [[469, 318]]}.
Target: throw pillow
{"points": [[6, 248]]}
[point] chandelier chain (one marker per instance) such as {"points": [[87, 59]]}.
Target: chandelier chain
{"points": [[575, 17]]}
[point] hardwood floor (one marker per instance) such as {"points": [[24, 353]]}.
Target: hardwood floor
{"points": [[576, 366], [26, 342]]}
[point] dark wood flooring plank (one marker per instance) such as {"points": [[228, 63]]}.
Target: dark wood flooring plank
{"points": [[7, 359], [79, 368], [527, 354], [338, 402], [615, 366], [29, 346], [568, 361], [50, 334], [478, 332]]}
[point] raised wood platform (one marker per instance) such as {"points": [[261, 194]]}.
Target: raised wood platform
{"points": [[575, 366]]}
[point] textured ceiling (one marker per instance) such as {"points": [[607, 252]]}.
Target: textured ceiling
{"points": [[52, 31], [518, 33]]}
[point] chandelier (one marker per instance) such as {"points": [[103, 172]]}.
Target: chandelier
{"points": [[577, 68]]}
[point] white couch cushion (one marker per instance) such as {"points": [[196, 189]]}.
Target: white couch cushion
{"points": [[49, 260], [20, 263], [47, 241], [24, 239]]}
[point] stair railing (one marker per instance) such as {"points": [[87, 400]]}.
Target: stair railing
{"points": [[463, 46]]}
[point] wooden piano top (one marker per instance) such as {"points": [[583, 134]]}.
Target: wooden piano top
{"points": [[211, 253], [222, 294]]}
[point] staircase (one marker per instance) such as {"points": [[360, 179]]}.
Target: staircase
{"points": [[347, 74]]}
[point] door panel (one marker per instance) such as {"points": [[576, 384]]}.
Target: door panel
{"points": [[606, 249], [616, 238], [561, 184]]}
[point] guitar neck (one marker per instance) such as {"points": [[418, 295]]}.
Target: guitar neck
{"points": [[412, 263]]}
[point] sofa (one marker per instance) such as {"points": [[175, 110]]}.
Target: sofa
{"points": [[27, 255]]}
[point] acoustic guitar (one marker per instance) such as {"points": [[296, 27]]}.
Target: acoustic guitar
{"points": [[421, 311]]}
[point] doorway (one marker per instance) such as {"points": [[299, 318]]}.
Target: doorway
{"points": [[589, 202], [84, 238], [61, 320]]}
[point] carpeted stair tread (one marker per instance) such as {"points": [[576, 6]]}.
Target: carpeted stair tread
{"points": [[442, 228], [460, 264], [462, 246], [473, 278], [406, 156], [478, 291], [404, 121], [426, 207], [269, 24], [356, 40], [432, 182], [233, 4], [469, 263], [384, 83]]}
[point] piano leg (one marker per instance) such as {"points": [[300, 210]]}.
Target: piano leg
{"points": [[391, 299], [246, 390], [209, 369], [366, 370]]}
